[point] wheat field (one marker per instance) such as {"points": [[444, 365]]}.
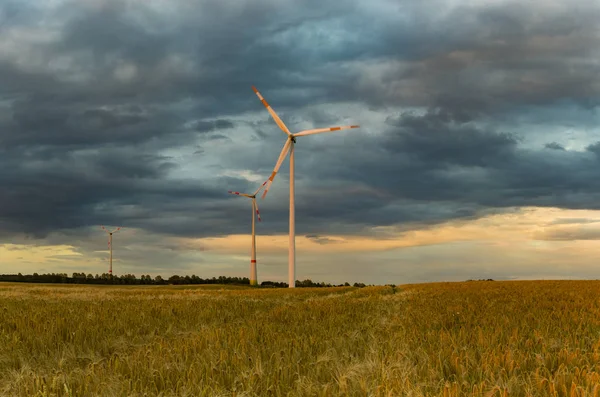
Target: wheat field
{"points": [[527, 338]]}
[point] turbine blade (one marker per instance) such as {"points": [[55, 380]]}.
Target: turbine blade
{"points": [[260, 187], [272, 112], [256, 210], [116, 230], [320, 130], [282, 155], [239, 194], [267, 188]]}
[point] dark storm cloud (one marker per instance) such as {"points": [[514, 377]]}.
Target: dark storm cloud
{"points": [[426, 169], [594, 148], [435, 138], [79, 189], [209, 126], [49, 121], [554, 146], [489, 58], [87, 112], [320, 239]]}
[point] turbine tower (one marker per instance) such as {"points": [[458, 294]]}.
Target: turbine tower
{"points": [[110, 234], [255, 213], [288, 147]]}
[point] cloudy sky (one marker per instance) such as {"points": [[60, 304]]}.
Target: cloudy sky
{"points": [[478, 154]]}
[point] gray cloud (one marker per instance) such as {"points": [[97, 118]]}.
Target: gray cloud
{"points": [[569, 221], [209, 126], [554, 146], [144, 116], [571, 233], [320, 239]]}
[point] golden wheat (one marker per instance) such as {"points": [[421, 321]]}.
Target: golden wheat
{"points": [[443, 339]]}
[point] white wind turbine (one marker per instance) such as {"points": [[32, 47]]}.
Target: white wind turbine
{"points": [[110, 234], [288, 147], [253, 277]]}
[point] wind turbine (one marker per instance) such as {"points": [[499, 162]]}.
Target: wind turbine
{"points": [[110, 234], [288, 147], [253, 278]]}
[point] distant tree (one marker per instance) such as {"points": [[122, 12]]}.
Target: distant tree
{"points": [[131, 279], [175, 279]]}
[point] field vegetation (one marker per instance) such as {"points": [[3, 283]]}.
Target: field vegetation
{"points": [[445, 339]]}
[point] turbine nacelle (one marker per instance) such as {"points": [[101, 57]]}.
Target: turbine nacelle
{"points": [[110, 233], [253, 198]]}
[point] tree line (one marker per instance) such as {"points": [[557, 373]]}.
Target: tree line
{"points": [[131, 279]]}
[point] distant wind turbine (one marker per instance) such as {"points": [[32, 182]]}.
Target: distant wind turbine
{"points": [[255, 213], [110, 246], [288, 147]]}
